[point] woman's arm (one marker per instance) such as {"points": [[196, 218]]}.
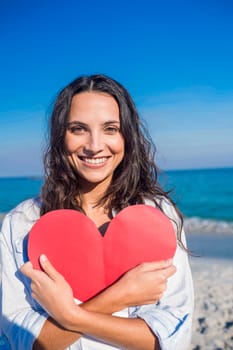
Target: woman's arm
{"points": [[142, 285], [22, 318]]}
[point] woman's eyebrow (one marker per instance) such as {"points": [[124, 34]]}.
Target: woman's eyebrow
{"points": [[76, 122], [111, 122]]}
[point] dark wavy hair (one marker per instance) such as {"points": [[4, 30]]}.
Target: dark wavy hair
{"points": [[135, 178]]}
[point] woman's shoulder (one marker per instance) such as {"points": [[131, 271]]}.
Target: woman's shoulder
{"points": [[164, 204], [24, 214], [29, 207], [169, 209]]}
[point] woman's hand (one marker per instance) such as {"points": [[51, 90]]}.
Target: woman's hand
{"points": [[51, 290], [144, 284]]}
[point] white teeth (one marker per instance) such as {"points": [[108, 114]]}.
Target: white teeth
{"points": [[94, 160]]}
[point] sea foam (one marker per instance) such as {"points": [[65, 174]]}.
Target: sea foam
{"points": [[198, 225]]}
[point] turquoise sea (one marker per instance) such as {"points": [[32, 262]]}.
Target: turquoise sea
{"points": [[205, 193], [204, 196]]}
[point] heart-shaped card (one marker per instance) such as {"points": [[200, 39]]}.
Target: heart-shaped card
{"points": [[91, 262]]}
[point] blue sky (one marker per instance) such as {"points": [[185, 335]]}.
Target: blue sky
{"points": [[174, 57]]}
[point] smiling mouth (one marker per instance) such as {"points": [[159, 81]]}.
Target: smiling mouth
{"points": [[95, 161]]}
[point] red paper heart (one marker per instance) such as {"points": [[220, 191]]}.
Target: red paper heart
{"points": [[90, 262]]}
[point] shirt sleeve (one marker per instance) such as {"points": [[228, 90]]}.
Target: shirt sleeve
{"points": [[171, 318], [21, 317]]}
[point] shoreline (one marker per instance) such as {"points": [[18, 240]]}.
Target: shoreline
{"points": [[207, 245]]}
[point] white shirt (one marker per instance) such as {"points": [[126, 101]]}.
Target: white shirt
{"points": [[22, 317]]}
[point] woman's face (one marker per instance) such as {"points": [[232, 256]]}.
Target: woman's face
{"points": [[93, 140]]}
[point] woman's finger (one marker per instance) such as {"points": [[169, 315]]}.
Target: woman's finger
{"points": [[155, 265], [27, 269], [48, 268], [169, 271]]}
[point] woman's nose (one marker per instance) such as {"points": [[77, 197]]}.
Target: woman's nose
{"points": [[94, 143]]}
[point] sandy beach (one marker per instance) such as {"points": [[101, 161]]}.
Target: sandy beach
{"points": [[213, 316], [213, 285]]}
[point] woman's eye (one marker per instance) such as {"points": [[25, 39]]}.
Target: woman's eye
{"points": [[77, 130], [111, 130]]}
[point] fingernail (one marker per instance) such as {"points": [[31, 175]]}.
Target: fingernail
{"points": [[43, 258]]}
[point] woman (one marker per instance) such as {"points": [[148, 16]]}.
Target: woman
{"points": [[99, 161]]}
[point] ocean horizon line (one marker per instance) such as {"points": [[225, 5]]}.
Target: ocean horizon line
{"points": [[204, 193]]}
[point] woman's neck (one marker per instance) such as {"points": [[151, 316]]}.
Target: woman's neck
{"points": [[93, 192], [89, 200]]}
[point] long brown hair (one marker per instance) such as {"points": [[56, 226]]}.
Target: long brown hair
{"points": [[136, 177]]}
